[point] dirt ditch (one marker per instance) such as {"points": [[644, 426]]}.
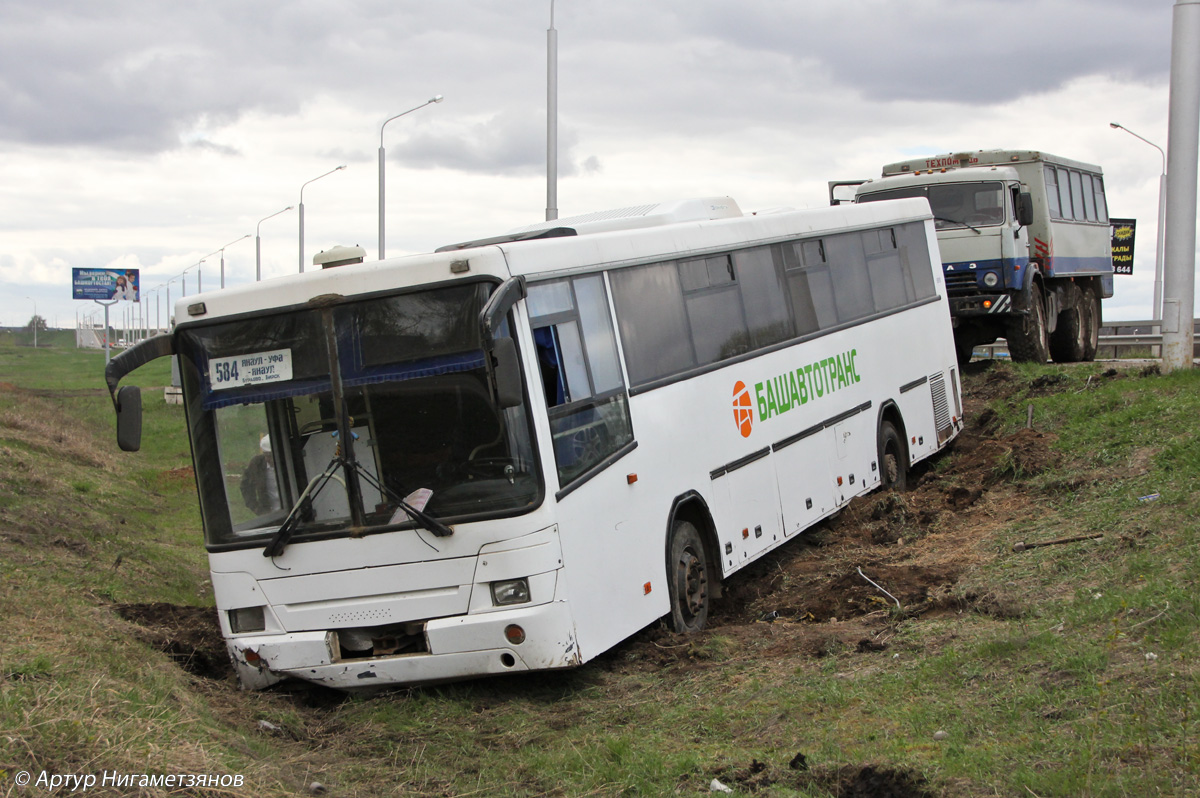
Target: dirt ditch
{"points": [[190, 636]]}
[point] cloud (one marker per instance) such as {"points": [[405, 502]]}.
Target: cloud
{"points": [[511, 142]]}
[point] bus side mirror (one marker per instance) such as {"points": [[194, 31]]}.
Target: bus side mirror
{"points": [[129, 418], [1024, 209], [507, 371]]}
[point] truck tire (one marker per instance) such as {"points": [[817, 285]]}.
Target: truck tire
{"points": [[1067, 341], [1090, 308], [1027, 338]]}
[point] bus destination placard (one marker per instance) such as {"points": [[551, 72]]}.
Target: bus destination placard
{"points": [[253, 369]]}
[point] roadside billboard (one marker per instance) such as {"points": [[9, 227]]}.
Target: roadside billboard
{"points": [[1124, 232], [104, 284]]}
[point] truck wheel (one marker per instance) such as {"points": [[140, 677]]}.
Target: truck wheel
{"points": [[1067, 342], [964, 350], [687, 579], [893, 459], [1027, 339], [1091, 323]]}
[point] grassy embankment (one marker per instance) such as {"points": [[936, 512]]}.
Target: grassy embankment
{"points": [[1086, 685]]}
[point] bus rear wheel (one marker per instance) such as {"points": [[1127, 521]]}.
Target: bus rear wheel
{"points": [[893, 461], [687, 579]]}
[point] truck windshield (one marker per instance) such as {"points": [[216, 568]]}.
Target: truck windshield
{"points": [[272, 398], [955, 205]]}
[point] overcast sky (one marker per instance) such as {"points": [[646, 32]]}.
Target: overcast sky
{"points": [[143, 134]]}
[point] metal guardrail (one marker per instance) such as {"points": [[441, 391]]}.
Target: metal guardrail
{"points": [[1125, 335]]}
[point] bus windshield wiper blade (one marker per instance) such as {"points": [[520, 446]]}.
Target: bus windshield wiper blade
{"points": [[288, 527], [958, 221], [420, 516]]}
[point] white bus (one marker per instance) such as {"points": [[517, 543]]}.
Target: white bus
{"points": [[512, 454]]}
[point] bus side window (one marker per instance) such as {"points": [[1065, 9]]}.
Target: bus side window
{"points": [[581, 376], [549, 357]]}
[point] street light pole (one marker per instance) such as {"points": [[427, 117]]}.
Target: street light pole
{"points": [[258, 243], [437, 98], [315, 179], [222, 251], [551, 119], [1162, 223], [1183, 133]]}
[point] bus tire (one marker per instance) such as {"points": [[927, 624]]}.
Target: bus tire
{"points": [[1067, 344], [687, 579], [893, 458], [1090, 309], [1027, 338]]}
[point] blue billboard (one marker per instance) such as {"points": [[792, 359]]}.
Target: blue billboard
{"points": [[104, 284]]}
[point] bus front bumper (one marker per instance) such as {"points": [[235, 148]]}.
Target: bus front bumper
{"points": [[459, 647]]}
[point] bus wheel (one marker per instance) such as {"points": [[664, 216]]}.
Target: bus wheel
{"points": [[687, 579], [893, 464], [1027, 339]]}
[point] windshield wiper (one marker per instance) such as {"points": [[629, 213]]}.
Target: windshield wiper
{"points": [[288, 527], [420, 516], [978, 232]]}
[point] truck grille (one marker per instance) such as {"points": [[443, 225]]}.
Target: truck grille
{"points": [[961, 283]]}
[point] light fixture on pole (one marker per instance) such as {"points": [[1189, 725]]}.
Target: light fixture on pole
{"points": [[1162, 223], [200, 275], [222, 251], [315, 179], [35, 320], [258, 243], [437, 98]]}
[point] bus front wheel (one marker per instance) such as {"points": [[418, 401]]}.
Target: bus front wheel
{"points": [[687, 579], [893, 463]]}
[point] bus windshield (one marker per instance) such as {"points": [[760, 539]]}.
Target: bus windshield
{"points": [[271, 398], [955, 205]]}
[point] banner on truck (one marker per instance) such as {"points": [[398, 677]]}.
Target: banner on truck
{"points": [[104, 284]]}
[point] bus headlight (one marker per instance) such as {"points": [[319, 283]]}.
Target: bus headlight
{"points": [[991, 279], [510, 591], [247, 619]]}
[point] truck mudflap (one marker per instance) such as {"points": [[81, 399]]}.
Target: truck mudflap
{"points": [[459, 647], [985, 305]]}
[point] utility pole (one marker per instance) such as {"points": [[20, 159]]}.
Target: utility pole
{"points": [[551, 119], [1183, 142]]}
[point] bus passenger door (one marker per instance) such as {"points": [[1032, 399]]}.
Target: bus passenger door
{"points": [[805, 489], [748, 517]]}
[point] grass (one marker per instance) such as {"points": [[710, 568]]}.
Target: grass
{"points": [[1090, 689]]}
